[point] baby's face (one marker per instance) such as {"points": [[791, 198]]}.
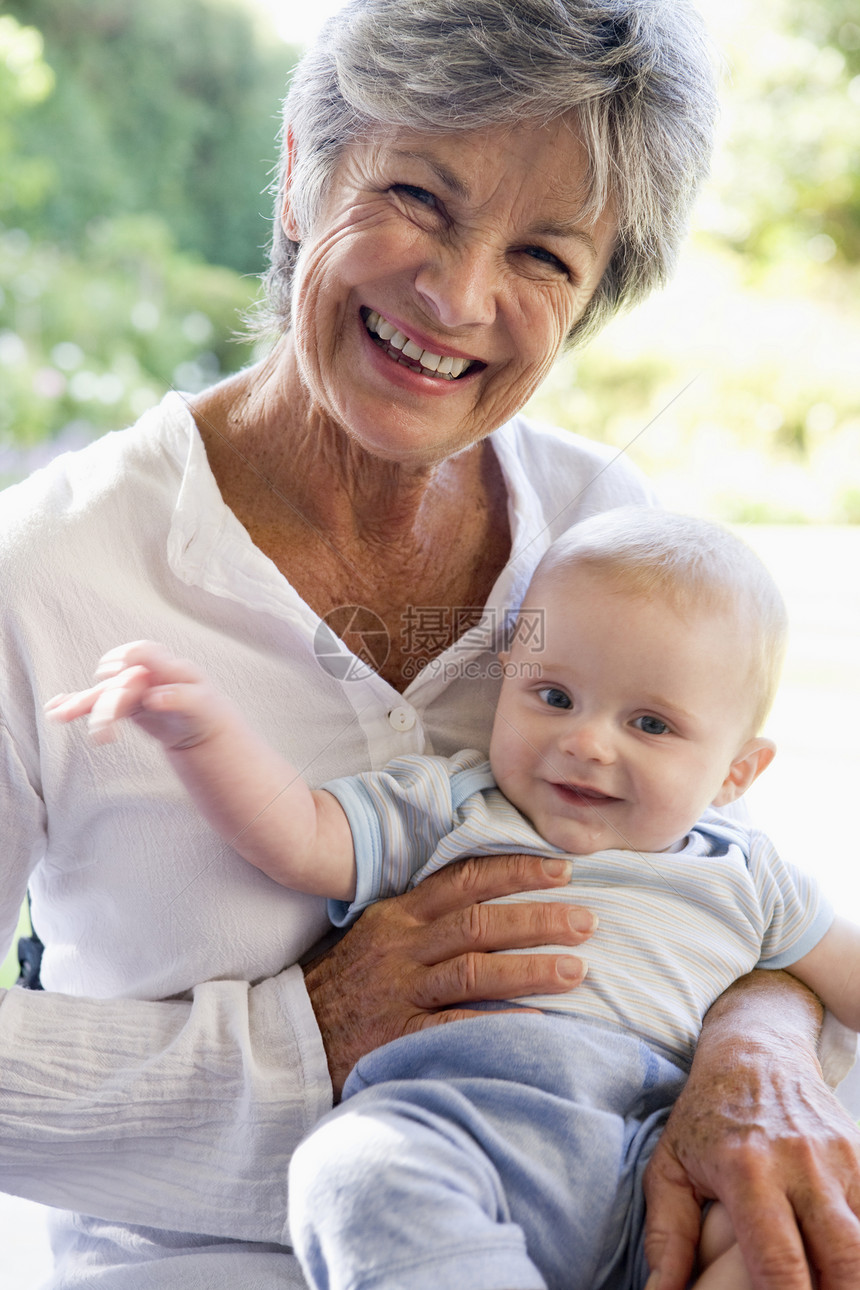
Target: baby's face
{"points": [[626, 725]]}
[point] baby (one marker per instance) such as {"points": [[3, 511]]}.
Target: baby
{"points": [[507, 1152]]}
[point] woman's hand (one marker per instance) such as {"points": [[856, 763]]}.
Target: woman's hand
{"points": [[757, 1128], [414, 960]]}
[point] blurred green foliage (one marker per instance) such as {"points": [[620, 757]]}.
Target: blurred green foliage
{"points": [[25, 80], [163, 106], [788, 174], [136, 140], [833, 28], [738, 388], [9, 968], [90, 338]]}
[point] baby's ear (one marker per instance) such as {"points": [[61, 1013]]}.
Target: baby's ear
{"points": [[755, 756]]}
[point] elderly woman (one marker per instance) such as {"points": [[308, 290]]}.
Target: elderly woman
{"points": [[467, 185]]}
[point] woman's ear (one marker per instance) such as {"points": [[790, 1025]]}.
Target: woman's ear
{"points": [[755, 756], [288, 220]]}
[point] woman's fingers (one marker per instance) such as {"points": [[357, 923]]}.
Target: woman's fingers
{"points": [[468, 978], [796, 1221], [493, 927], [756, 1127], [674, 1221], [469, 882], [831, 1234], [414, 960], [460, 935]]}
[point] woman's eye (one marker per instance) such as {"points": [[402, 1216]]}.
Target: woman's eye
{"points": [[651, 725], [554, 698], [543, 256], [416, 194]]}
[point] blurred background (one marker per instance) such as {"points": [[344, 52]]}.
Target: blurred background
{"points": [[136, 147]]}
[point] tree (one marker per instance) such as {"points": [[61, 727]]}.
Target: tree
{"points": [[25, 80], [159, 107], [788, 179], [136, 154]]}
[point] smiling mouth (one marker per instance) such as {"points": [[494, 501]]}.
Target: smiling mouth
{"points": [[409, 354], [581, 794]]}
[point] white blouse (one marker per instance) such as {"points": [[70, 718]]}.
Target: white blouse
{"points": [[184, 1115]]}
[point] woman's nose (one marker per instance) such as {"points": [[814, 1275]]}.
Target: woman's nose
{"points": [[460, 286]]}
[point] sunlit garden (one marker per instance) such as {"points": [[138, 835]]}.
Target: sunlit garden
{"points": [[129, 245], [746, 371]]}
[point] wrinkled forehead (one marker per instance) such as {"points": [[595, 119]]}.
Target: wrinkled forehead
{"points": [[562, 171]]}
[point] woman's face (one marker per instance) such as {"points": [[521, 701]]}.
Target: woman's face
{"points": [[436, 253]]}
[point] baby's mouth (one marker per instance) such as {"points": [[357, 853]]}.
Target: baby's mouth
{"points": [[584, 794], [408, 352]]}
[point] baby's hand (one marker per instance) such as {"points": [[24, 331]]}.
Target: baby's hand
{"points": [[167, 697]]}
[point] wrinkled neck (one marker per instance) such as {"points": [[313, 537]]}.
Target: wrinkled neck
{"points": [[263, 425]]}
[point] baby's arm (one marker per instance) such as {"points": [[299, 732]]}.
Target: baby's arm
{"points": [[257, 802], [832, 970]]}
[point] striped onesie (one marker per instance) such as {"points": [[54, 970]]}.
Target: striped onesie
{"points": [[522, 1132]]}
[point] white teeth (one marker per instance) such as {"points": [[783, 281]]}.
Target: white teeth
{"points": [[448, 366]]}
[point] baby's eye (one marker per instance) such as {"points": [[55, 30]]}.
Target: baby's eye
{"points": [[651, 725], [554, 698]]}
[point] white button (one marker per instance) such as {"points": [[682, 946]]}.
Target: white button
{"points": [[401, 718]]}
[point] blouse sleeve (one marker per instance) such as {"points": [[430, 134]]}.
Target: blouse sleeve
{"points": [[22, 833], [180, 1114]]}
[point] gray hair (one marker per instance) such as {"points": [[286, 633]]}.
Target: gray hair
{"points": [[638, 74]]}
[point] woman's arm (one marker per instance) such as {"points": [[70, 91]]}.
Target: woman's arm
{"points": [[185, 1115], [174, 1115], [757, 1128]]}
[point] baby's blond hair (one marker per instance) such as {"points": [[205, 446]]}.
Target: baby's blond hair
{"points": [[693, 565]]}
